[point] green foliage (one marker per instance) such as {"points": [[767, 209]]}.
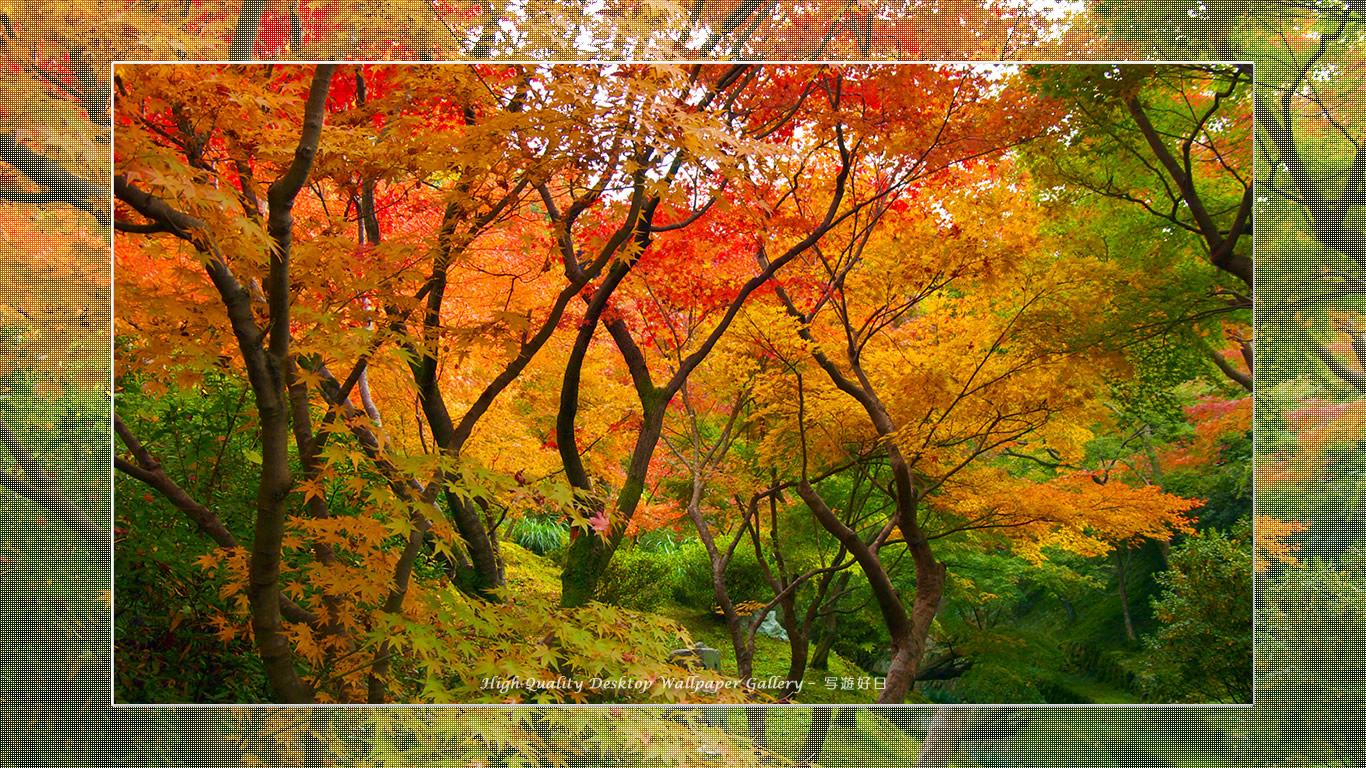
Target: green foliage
{"points": [[941, 696], [1109, 666], [1203, 650], [169, 609], [53, 625], [996, 683], [167, 650], [744, 576], [1058, 745], [54, 612], [1175, 29], [635, 579], [1311, 645], [490, 653], [1152, 395], [662, 542], [860, 635], [538, 534]]}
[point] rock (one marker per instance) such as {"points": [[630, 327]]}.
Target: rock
{"points": [[699, 655], [772, 628]]}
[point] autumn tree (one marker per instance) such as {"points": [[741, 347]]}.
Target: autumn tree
{"points": [[513, 137], [54, 321], [827, 180], [902, 353], [54, 283], [1171, 148], [735, 30], [48, 34]]}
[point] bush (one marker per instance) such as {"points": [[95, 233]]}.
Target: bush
{"points": [[745, 578], [1053, 745], [635, 579], [1203, 650], [998, 684]]}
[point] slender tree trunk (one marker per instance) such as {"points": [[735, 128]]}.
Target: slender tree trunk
{"points": [[744, 660], [943, 737], [1122, 569], [930, 577], [248, 25], [269, 385], [815, 736], [908, 631], [820, 658], [798, 646]]}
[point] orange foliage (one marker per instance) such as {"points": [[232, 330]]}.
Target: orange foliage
{"points": [[1074, 512], [1270, 537], [1320, 425]]}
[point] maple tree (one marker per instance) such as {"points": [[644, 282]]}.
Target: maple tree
{"points": [[797, 214], [54, 320], [1171, 147], [54, 282], [542, 106], [944, 381]]}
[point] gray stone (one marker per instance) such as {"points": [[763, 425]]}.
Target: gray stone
{"points": [[699, 655], [772, 627]]}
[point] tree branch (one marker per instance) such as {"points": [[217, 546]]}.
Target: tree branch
{"points": [[62, 185], [38, 486]]}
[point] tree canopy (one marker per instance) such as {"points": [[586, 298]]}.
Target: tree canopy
{"points": [[468, 298]]}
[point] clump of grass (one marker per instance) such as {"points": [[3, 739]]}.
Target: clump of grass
{"points": [[540, 535]]}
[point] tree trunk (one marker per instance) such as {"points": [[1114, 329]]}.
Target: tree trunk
{"points": [[943, 737], [908, 632], [1122, 569], [820, 658], [798, 644], [744, 660], [268, 383], [930, 576], [248, 25], [815, 736], [588, 556]]}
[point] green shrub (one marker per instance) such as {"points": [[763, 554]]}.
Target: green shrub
{"points": [[635, 579], [1053, 745], [745, 578], [1054, 692], [997, 684], [1202, 651]]}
